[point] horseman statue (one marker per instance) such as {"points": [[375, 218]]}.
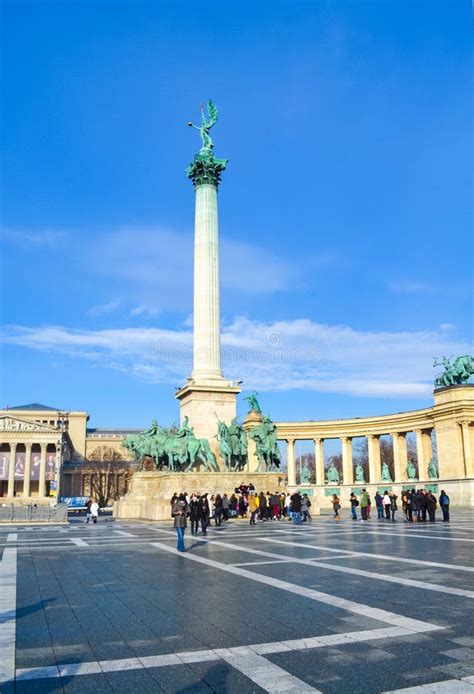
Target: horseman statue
{"points": [[176, 451], [265, 437], [233, 445], [455, 373]]}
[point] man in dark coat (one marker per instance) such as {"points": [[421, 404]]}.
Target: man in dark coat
{"points": [[296, 507], [204, 512]]}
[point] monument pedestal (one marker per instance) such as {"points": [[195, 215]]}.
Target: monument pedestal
{"points": [[206, 402], [252, 420], [150, 493]]}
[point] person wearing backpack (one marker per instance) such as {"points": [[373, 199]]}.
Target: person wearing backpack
{"points": [[364, 505], [444, 503], [354, 504]]}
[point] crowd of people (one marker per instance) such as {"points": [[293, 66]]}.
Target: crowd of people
{"points": [[417, 505], [245, 502], [204, 509]]}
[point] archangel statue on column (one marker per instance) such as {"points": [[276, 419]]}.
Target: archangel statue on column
{"points": [[206, 125]]}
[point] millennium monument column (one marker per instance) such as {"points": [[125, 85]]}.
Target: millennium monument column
{"points": [[207, 396]]}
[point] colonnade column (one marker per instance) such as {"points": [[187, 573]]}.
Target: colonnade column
{"points": [[11, 470], [290, 462], [399, 456], [42, 471], [373, 446], [26, 478], [420, 456], [467, 448], [319, 460], [347, 470]]}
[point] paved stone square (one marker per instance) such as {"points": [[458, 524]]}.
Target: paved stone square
{"points": [[329, 607]]}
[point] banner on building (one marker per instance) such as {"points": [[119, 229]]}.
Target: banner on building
{"points": [[50, 466], [4, 463], [20, 459]]}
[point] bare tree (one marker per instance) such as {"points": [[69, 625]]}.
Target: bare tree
{"points": [[107, 473]]}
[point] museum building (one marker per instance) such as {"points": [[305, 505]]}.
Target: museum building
{"points": [[45, 451]]}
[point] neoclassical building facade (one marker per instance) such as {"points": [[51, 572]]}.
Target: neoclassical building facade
{"points": [[45, 452]]}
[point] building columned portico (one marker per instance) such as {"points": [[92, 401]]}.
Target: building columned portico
{"points": [[31, 454]]}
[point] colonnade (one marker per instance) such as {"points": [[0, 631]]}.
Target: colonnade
{"points": [[400, 457], [27, 476]]}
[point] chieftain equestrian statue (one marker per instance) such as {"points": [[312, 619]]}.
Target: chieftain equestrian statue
{"points": [[233, 445], [266, 446], [176, 451]]}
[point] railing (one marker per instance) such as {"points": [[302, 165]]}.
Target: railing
{"points": [[16, 513]]}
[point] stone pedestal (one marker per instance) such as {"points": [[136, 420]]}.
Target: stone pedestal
{"points": [[252, 420], [150, 493], [454, 427], [204, 404]]}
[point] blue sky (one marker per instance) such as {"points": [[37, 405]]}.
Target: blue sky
{"points": [[345, 213]]}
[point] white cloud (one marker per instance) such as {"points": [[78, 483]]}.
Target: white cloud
{"points": [[157, 266], [447, 326], [413, 287], [285, 355], [144, 310], [102, 309], [29, 239]]}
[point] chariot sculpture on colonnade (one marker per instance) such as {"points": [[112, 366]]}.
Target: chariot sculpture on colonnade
{"points": [[455, 372]]}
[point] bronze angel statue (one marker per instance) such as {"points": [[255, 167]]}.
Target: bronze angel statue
{"points": [[206, 125]]}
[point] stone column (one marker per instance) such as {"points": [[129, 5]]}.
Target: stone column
{"points": [[26, 479], [290, 462], [319, 460], [207, 348], [42, 471], [207, 394], [373, 446], [11, 471], [347, 467], [399, 456], [420, 456], [467, 449]]}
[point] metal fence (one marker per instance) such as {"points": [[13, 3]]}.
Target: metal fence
{"points": [[16, 513]]}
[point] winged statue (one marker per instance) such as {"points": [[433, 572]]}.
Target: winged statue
{"points": [[206, 125]]}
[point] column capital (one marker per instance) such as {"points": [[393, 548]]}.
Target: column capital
{"points": [[206, 169]]}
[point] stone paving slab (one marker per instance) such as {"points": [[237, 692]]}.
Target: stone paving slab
{"points": [[113, 607]]}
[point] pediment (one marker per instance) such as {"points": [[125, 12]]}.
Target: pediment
{"points": [[9, 423]]}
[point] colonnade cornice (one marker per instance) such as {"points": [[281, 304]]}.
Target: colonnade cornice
{"points": [[400, 422]]}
